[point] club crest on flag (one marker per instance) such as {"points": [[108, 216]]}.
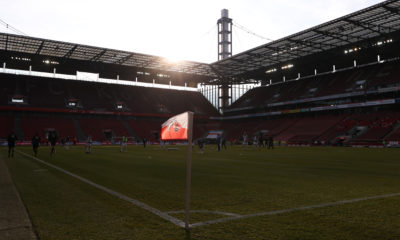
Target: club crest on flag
{"points": [[175, 125], [175, 128]]}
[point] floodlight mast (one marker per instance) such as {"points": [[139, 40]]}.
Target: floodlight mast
{"points": [[224, 35], [224, 51]]}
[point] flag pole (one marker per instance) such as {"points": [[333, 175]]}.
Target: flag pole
{"points": [[188, 170]]}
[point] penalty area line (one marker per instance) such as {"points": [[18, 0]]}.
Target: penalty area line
{"points": [[289, 210], [135, 202]]}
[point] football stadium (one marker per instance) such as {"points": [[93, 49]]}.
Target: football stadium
{"points": [[296, 138]]}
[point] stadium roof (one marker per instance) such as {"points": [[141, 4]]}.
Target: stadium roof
{"points": [[381, 19], [38, 46], [378, 20]]}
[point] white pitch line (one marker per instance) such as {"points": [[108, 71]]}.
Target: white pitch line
{"points": [[329, 204], [114, 193], [206, 211], [233, 216]]}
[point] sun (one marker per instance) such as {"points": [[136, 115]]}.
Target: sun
{"points": [[176, 53], [173, 59]]}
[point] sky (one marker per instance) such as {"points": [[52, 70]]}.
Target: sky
{"points": [[176, 29]]}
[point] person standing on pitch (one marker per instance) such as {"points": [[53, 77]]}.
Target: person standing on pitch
{"points": [[271, 143], [124, 144], [162, 143], [89, 144], [219, 142], [260, 139], [201, 143], [35, 143], [11, 140], [255, 140], [245, 143], [53, 141], [67, 143], [223, 142]]}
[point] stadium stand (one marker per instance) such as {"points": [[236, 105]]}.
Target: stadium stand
{"points": [[378, 125], [270, 127], [55, 93], [146, 128], [98, 102], [386, 75], [338, 130], [6, 125], [317, 87], [351, 80], [395, 135], [42, 125], [103, 129], [306, 130]]}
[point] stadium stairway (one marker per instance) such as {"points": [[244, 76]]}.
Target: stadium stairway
{"points": [[394, 134], [331, 133], [379, 126], [355, 132], [81, 134], [306, 130], [130, 130], [375, 134]]}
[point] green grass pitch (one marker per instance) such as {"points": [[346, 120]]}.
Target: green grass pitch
{"points": [[237, 181]]}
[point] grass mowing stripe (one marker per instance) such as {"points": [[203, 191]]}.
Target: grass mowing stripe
{"points": [[220, 220], [112, 192]]}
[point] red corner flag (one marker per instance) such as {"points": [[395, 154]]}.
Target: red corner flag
{"points": [[180, 127], [176, 128]]}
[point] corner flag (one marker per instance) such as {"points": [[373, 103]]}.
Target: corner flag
{"points": [[176, 128], [180, 127]]}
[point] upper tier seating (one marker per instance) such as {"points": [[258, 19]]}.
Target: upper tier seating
{"points": [[55, 93], [357, 79], [385, 76]]}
